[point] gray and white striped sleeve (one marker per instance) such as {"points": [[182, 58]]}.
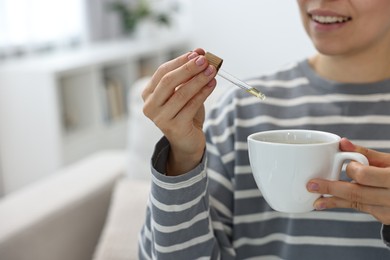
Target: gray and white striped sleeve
{"points": [[180, 224]]}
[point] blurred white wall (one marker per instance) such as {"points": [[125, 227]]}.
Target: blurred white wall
{"points": [[252, 36], [1, 181]]}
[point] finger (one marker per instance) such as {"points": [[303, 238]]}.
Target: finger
{"points": [[187, 92], [192, 106], [170, 114], [335, 202], [167, 87], [167, 67], [346, 145], [200, 51], [179, 77], [193, 113], [375, 158], [380, 213], [175, 63], [181, 109], [353, 192], [369, 175]]}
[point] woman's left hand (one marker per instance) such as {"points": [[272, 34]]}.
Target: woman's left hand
{"points": [[368, 192]]}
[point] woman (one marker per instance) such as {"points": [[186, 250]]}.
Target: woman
{"points": [[204, 202]]}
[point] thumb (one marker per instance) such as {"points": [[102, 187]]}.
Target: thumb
{"points": [[375, 158]]}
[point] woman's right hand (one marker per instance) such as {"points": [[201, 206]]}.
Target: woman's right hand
{"points": [[174, 100]]}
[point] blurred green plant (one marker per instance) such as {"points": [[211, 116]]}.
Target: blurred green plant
{"points": [[131, 14]]}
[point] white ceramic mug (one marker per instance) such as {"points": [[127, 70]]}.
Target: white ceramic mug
{"points": [[283, 161]]}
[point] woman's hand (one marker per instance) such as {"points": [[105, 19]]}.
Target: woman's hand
{"points": [[174, 100], [368, 192]]}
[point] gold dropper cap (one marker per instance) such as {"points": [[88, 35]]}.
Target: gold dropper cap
{"points": [[214, 60], [217, 63]]}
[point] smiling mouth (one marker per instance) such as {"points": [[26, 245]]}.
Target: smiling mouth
{"points": [[330, 19]]}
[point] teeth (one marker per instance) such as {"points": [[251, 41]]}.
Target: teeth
{"points": [[330, 19]]}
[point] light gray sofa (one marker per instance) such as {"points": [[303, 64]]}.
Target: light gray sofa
{"points": [[89, 210]]}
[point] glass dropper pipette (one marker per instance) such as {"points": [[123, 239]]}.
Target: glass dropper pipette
{"points": [[217, 63]]}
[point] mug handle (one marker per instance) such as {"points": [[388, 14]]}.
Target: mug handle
{"points": [[341, 157]]}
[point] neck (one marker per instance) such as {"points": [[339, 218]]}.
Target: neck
{"points": [[359, 68]]}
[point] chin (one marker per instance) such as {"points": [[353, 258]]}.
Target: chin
{"points": [[330, 49]]}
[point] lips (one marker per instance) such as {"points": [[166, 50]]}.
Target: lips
{"points": [[327, 21]]}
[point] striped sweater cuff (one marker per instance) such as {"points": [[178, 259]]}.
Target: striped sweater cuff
{"points": [[159, 162], [179, 204], [176, 191]]}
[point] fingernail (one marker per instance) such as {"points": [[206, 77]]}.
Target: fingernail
{"points": [[192, 55], [200, 60], [320, 206], [211, 84], [312, 186], [209, 70]]}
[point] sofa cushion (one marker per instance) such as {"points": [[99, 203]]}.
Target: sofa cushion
{"points": [[126, 215], [61, 216]]}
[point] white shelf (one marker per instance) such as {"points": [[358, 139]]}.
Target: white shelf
{"points": [[58, 108]]}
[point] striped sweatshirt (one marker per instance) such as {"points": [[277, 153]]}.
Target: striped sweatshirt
{"points": [[216, 211]]}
